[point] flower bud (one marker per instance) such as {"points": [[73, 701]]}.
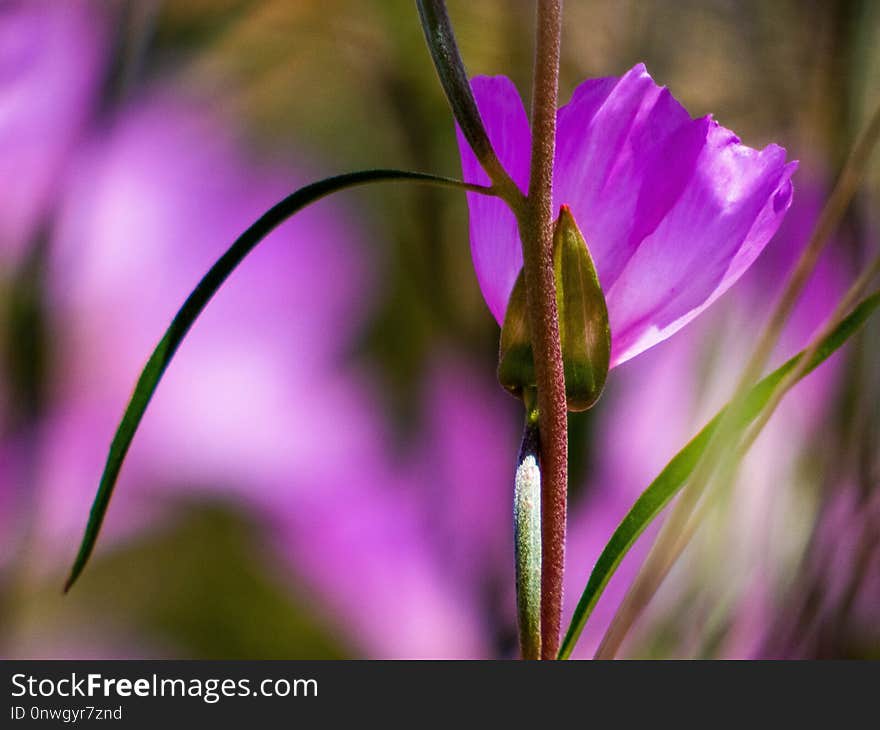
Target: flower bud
{"points": [[584, 332]]}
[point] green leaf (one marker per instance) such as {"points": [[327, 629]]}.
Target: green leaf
{"points": [[192, 308], [676, 473], [453, 77]]}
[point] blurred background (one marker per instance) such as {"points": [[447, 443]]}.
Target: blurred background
{"points": [[326, 470]]}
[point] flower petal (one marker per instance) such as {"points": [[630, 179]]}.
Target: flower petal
{"points": [[728, 211], [606, 137], [674, 210], [495, 244]]}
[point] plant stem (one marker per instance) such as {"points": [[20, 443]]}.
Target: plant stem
{"points": [[536, 230], [535, 222]]}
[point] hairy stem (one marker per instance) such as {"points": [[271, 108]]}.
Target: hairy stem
{"points": [[536, 230], [535, 219]]}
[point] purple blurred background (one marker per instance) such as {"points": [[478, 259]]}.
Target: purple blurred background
{"points": [[326, 469]]}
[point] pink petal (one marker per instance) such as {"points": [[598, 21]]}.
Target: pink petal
{"points": [[607, 137], [495, 245], [726, 214], [674, 210]]}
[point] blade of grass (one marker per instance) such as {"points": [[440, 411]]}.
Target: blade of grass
{"points": [[685, 519], [453, 78], [716, 453], [676, 473], [193, 307]]}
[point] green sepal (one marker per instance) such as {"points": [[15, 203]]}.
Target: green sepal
{"points": [[516, 365], [584, 332]]}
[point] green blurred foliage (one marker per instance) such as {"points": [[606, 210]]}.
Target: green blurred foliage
{"points": [[199, 587]]}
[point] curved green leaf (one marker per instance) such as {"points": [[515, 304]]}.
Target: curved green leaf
{"points": [[676, 473], [453, 78], [192, 308]]}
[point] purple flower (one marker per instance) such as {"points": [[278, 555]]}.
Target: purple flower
{"points": [[674, 209], [51, 67]]}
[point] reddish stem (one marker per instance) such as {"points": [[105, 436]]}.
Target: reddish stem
{"points": [[536, 230]]}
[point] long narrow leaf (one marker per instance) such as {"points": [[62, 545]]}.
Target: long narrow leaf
{"points": [[453, 77], [676, 473], [192, 308]]}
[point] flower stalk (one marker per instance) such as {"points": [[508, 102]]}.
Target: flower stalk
{"points": [[536, 232], [534, 216]]}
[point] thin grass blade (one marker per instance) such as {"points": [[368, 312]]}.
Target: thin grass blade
{"points": [[676, 473], [193, 307]]}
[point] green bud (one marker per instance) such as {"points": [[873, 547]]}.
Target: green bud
{"points": [[584, 332], [516, 366], [583, 316], [527, 540]]}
